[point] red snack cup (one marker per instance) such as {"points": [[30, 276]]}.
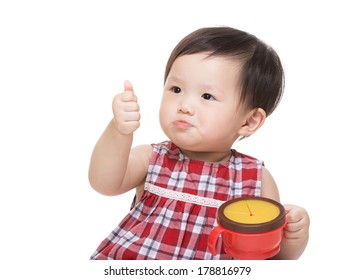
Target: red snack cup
{"points": [[251, 228]]}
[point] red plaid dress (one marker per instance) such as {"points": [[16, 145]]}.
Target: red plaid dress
{"points": [[178, 209]]}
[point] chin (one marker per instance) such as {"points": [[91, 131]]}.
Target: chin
{"points": [[184, 143], [188, 145]]}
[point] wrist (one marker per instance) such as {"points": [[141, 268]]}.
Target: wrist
{"points": [[116, 131]]}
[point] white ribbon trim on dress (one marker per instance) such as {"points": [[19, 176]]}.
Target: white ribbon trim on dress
{"points": [[186, 197]]}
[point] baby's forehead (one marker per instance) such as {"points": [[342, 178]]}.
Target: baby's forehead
{"points": [[238, 59], [205, 57], [215, 66]]}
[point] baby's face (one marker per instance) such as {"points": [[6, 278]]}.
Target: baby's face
{"points": [[200, 108]]}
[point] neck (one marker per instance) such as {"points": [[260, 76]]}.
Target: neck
{"points": [[215, 157]]}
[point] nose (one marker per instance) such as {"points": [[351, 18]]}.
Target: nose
{"points": [[186, 106], [185, 109]]}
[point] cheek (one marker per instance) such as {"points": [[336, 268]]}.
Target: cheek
{"points": [[222, 121], [164, 109], [217, 117], [162, 119]]}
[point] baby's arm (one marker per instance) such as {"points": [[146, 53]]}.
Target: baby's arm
{"points": [[296, 231], [116, 168]]}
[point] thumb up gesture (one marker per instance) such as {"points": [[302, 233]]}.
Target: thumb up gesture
{"points": [[126, 110]]}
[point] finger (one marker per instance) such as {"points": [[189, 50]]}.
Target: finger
{"points": [[298, 233], [293, 217], [125, 101], [127, 96], [128, 86], [292, 235], [132, 126], [295, 230], [295, 213], [129, 116], [130, 106], [293, 227]]}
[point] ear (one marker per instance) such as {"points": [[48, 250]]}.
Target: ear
{"points": [[253, 121]]}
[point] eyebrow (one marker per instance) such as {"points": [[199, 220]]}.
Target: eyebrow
{"points": [[174, 79], [203, 85]]}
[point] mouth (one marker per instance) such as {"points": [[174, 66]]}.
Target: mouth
{"points": [[182, 124]]}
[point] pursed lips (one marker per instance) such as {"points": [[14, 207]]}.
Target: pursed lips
{"points": [[182, 124]]}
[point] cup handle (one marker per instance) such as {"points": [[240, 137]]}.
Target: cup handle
{"points": [[212, 239]]}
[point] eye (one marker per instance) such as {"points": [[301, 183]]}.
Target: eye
{"points": [[207, 96], [175, 89]]}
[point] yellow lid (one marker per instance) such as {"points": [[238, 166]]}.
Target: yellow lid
{"points": [[251, 214], [251, 211]]}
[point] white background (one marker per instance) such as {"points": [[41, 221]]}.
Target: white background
{"points": [[61, 63]]}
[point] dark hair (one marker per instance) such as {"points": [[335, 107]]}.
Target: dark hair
{"points": [[262, 76]]}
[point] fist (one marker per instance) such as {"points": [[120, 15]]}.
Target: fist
{"points": [[126, 110], [298, 222]]}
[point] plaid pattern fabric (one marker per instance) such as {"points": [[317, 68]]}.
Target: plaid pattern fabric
{"points": [[176, 213]]}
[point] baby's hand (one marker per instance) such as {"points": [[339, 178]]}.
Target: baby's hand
{"points": [[126, 110], [298, 222]]}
